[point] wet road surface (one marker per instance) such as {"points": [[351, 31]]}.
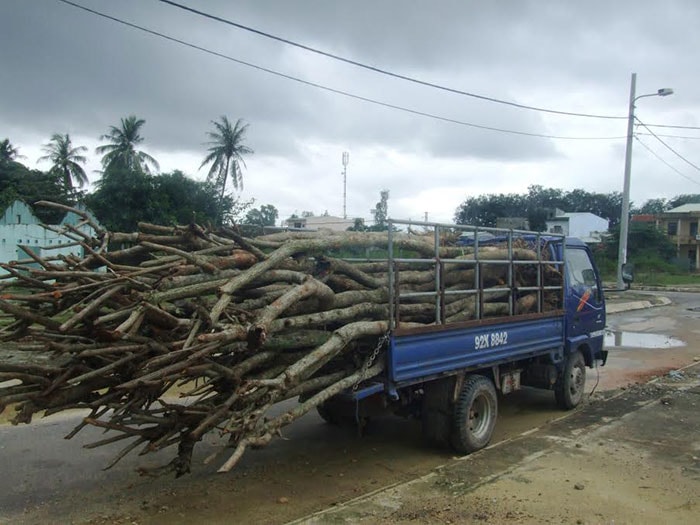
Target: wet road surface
{"points": [[313, 466]]}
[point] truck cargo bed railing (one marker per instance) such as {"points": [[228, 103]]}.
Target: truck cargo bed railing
{"points": [[456, 246]]}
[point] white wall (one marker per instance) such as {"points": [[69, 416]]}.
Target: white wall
{"points": [[584, 225]]}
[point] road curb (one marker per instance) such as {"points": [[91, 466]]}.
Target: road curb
{"points": [[614, 308]]}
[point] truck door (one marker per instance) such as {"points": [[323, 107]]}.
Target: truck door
{"points": [[585, 304]]}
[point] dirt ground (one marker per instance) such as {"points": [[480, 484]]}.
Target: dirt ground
{"points": [[638, 463]]}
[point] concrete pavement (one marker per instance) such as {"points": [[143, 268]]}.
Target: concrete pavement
{"points": [[633, 458]]}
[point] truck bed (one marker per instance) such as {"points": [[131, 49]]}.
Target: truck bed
{"points": [[417, 354]]}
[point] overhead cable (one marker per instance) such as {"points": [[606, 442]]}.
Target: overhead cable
{"points": [[669, 136], [671, 126], [330, 89], [380, 70], [679, 172], [667, 146]]}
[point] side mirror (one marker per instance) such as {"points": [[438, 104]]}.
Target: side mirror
{"points": [[628, 273]]}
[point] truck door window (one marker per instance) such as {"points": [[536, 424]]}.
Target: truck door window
{"points": [[581, 272]]}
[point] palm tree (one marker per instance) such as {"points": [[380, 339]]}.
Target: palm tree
{"points": [[66, 160], [8, 152], [226, 150], [121, 152]]}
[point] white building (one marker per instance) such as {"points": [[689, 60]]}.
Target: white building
{"points": [[20, 227], [586, 226], [327, 222]]}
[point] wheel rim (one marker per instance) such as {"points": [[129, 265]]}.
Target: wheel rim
{"points": [[576, 381], [480, 417]]}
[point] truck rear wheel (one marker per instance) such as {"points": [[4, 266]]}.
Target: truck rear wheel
{"points": [[475, 414], [569, 388]]}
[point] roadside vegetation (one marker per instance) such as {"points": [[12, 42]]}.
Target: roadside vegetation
{"points": [[131, 189], [648, 249]]}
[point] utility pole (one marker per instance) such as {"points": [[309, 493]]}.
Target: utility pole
{"points": [[346, 160], [625, 214]]}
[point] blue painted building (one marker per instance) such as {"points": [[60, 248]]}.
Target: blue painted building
{"points": [[20, 227]]}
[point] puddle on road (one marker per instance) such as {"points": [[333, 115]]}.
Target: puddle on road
{"points": [[614, 338]]}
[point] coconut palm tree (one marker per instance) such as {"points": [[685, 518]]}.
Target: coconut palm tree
{"points": [[121, 152], [66, 160], [8, 152], [226, 150]]}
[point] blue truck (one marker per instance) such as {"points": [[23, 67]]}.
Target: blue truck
{"points": [[448, 373]]}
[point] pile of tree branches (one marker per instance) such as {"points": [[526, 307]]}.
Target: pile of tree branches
{"points": [[169, 333]]}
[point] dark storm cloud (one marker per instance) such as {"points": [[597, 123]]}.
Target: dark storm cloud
{"points": [[67, 69]]}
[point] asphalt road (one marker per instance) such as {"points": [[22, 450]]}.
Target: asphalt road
{"points": [[48, 479]]}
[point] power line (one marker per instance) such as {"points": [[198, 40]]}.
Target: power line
{"points": [[672, 126], [664, 161], [667, 146], [380, 70], [329, 89], [669, 136]]}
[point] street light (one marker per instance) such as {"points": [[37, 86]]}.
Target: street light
{"points": [[624, 217]]}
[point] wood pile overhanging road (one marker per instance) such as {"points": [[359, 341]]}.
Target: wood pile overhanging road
{"points": [[169, 333]]}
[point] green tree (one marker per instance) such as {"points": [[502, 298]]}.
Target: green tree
{"points": [[124, 199], [266, 215], [381, 212], [180, 199], [19, 182], [358, 225], [8, 152], [485, 209], [225, 153], [537, 205], [647, 248], [66, 160], [540, 204], [680, 200], [606, 205], [120, 154], [653, 207]]}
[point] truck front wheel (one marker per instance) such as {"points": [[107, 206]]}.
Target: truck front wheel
{"points": [[569, 388], [475, 413]]}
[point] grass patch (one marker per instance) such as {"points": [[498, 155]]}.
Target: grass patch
{"points": [[666, 279]]}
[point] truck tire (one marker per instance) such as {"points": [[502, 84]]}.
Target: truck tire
{"points": [[569, 388], [475, 414]]}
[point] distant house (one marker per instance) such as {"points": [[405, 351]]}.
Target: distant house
{"points": [[20, 227], [327, 222], [681, 226], [643, 218], [585, 225]]}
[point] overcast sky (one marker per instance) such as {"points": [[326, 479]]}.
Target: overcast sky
{"points": [[66, 70]]}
